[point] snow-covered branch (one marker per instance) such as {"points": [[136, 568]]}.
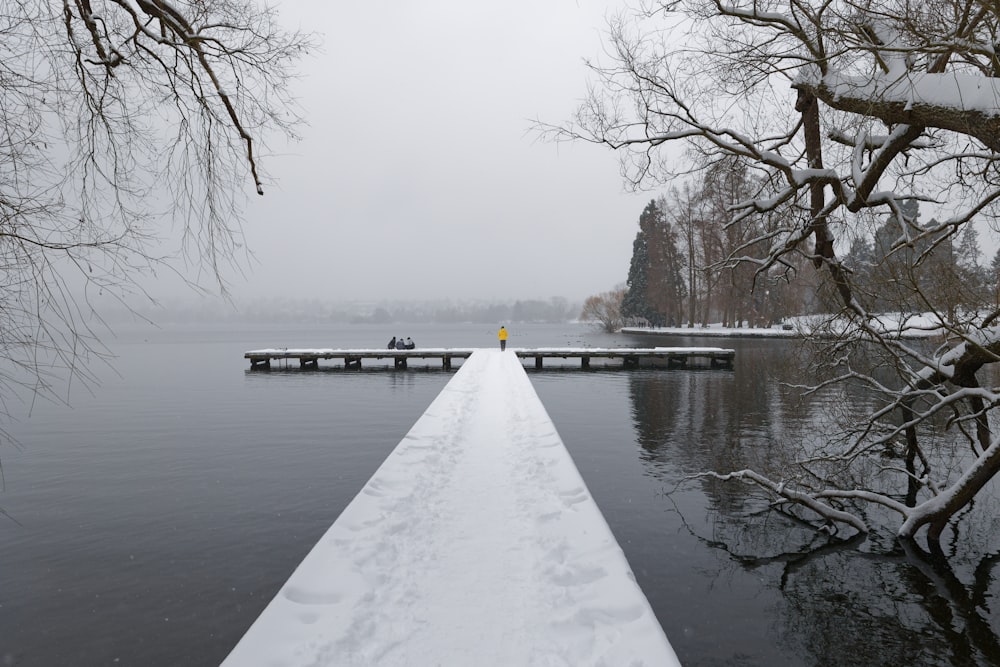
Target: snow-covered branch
{"points": [[949, 101], [808, 500]]}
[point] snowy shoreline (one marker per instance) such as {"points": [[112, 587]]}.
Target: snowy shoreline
{"points": [[712, 331], [893, 325]]}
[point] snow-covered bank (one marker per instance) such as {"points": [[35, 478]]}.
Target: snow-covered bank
{"points": [[713, 331], [475, 543], [893, 325]]}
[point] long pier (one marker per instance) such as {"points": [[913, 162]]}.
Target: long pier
{"points": [[671, 357], [476, 542]]}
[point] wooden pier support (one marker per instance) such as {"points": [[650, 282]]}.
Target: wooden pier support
{"points": [[722, 362], [676, 362]]}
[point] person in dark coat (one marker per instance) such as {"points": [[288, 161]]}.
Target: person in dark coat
{"points": [[392, 344]]}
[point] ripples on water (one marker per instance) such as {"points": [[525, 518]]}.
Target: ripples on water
{"points": [[158, 516]]}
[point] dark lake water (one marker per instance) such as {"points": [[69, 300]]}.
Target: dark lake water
{"points": [[154, 518]]}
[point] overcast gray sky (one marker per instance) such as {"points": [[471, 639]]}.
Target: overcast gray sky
{"points": [[419, 177]]}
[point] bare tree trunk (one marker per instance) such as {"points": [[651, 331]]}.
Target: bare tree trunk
{"points": [[693, 290]]}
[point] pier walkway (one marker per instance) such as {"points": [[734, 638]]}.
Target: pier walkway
{"points": [[475, 543], [672, 357]]}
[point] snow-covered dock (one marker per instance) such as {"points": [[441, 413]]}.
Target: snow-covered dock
{"points": [[673, 357], [475, 543]]}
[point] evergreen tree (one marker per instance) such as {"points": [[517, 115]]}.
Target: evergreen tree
{"points": [[860, 258], [656, 287], [919, 268], [860, 261], [994, 279], [973, 278], [967, 253], [634, 303], [893, 283]]}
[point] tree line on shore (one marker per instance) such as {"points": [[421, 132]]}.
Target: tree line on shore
{"points": [[689, 267]]}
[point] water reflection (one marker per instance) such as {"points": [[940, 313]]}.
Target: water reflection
{"points": [[839, 600]]}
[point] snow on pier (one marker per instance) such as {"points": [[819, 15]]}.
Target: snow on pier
{"points": [[673, 357], [475, 543]]}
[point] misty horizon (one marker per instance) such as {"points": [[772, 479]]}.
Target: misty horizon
{"points": [[314, 310]]}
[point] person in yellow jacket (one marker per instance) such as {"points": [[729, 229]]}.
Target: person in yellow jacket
{"points": [[502, 335]]}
